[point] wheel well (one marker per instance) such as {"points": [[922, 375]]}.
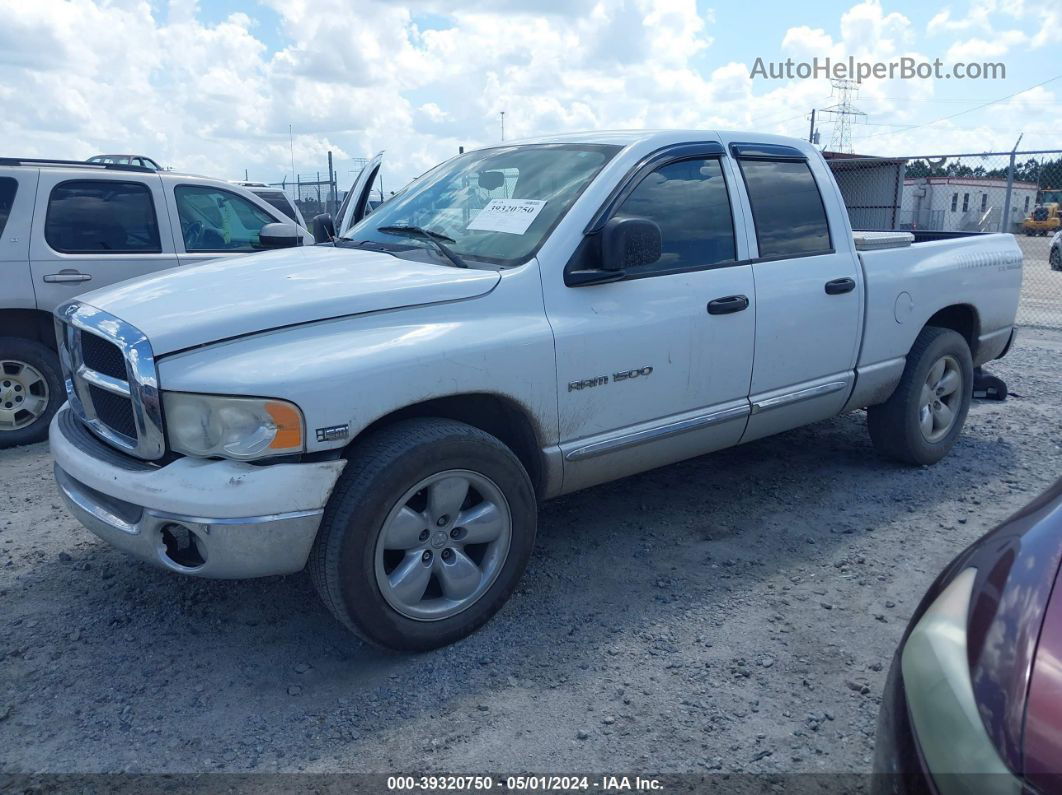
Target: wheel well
{"points": [[498, 416], [961, 318], [28, 324]]}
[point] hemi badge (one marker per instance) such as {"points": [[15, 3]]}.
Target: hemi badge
{"points": [[333, 432]]}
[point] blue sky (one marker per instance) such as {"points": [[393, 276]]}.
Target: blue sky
{"points": [[212, 86]]}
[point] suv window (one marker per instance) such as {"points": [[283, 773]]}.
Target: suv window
{"points": [[278, 201], [94, 216], [787, 208], [213, 219], [688, 200], [8, 187]]}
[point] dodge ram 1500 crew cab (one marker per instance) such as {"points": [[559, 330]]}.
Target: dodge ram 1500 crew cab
{"points": [[520, 322]]}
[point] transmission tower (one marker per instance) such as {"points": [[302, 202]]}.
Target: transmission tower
{"points": [[844, 91]]}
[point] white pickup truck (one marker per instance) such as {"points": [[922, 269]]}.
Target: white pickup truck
{"points": [[520, 322]]}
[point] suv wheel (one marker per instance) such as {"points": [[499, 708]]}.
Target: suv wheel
{"points": [[30, 391], [426, 534], [922, 419]]}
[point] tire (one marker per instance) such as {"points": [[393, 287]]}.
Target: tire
{"points": [[395, 491], [1056, 258], [31, 391], [898, 426]]}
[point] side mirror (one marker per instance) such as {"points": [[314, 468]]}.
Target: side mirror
{"points": [[324, 228], [629, 243], [279, 235]]}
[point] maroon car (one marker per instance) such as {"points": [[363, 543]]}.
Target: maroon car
{"points": [[973, 701]]}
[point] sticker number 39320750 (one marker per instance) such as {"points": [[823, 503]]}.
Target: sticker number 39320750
{"points": [[512, 216]]}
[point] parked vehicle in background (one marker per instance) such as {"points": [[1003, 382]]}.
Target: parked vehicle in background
{"points": [[1043, 220], [66, 227], [1055, 255], [140, 161], [277, 198], [973, 701], [520, 322]]}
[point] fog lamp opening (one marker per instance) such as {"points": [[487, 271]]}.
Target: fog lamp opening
{"points": [[181, 546]]}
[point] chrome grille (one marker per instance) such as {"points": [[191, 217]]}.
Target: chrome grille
{"points": [[111, 383]]}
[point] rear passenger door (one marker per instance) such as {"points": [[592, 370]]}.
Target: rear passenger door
{"points": [[212, 222], [18, 186], [809, 290], [94, 228]]}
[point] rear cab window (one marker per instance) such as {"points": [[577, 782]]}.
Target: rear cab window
{"points": [[102, 217], [787, 207]]}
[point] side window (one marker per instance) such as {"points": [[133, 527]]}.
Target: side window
{"points": [[213, 219], [954, 202], [688, 200], [102, 216], [786, 208], [8, 187]]}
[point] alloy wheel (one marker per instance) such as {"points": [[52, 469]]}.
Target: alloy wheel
{"points": [[443, 545], [23, 394], [940, 399]]}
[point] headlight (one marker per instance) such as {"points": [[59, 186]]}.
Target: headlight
{"points": [[232, 427], [936, 675]]}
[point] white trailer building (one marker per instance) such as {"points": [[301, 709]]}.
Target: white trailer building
{"points": [[964, 204]]}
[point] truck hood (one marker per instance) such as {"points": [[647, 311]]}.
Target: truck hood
{"points": [[195, 305]]}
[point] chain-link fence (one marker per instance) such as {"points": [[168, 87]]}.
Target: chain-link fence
{"points": [[1019, 192], [322, 191]]}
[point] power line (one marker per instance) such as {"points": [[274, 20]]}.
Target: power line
{"points": [[963, 112]]}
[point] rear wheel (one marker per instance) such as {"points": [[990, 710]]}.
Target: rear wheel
{"points": [[426, 534], [922, 419], [30, 391], [1056, 258]]}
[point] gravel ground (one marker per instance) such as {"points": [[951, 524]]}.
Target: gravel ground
{"points": [[737, 612]]}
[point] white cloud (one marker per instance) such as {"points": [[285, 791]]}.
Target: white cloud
{"points": [[79, 77]]}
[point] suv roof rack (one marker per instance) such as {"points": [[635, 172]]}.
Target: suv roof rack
{"points": [[38, 161]]}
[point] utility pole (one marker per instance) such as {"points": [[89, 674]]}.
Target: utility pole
{"points": [[503, 125], [331, 186], [245, 179], [811, 130], [841, 137], [291, 148], [1010, 186]]}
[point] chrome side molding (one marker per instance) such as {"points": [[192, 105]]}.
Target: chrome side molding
{"points": [[795, 397], [622, 441]]}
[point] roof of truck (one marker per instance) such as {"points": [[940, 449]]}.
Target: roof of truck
{"points": [[664, 137]]}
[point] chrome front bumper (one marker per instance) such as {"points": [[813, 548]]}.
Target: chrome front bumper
{"points": [[149, 511]]}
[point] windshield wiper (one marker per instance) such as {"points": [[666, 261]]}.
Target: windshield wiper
{"points": [[435, 238]]}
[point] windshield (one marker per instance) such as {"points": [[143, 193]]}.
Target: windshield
{"points": [[495, 205]]}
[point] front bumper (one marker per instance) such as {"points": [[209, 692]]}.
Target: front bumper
{"points": [[243, 520], [898, 766]]}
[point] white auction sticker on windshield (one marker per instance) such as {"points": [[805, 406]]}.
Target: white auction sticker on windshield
{"points": [[512, 216]]}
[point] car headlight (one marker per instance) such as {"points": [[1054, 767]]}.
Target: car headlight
{"points": [[936, 674], [232, 427]]}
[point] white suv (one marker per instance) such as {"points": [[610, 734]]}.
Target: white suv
{"points": [[68, 226]]}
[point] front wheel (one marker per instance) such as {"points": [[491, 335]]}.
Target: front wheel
{"points": [[426, 534], [922, 419], [1056, 258], [31, 391]]}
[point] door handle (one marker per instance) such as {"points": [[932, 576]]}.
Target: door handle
{"points": [[67, 275], [731, 303], [838, 286]]}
